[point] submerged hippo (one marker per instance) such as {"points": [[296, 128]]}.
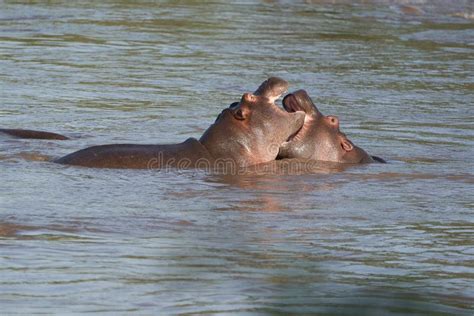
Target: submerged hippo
{"points": [[26, 133], [247, 133], [320, 137]]}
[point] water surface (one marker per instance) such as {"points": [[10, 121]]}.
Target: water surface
{"points": [[375, 239]]}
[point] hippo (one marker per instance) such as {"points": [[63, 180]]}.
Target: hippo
{"points": [[320, 137], [247, 133], [31, 134]]}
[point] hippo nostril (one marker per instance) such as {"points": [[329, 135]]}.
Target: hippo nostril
{"points": [[333, 120]]}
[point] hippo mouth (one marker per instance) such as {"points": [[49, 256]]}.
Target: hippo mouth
{"points": [[291, 105]]}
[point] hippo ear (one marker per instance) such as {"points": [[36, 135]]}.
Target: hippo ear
{"points": [[346, 144]]}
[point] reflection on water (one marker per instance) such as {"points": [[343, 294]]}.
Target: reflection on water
{"points": [[376, 239]]}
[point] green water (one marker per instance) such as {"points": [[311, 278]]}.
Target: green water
{"points": [[371, 240]]}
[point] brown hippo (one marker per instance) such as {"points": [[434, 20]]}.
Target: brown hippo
{"points": [[320, 137], [26, 133], [247, 133]]}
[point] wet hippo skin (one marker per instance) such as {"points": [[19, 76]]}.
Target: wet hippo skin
{"points": [[187, 154], [247, 133], [320, 137], [25, 133]]}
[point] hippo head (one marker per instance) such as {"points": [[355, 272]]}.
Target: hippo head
{"points": [[251, 131], [320, 137]]}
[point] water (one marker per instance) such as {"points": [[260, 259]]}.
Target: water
{"points": [[375, 239]]}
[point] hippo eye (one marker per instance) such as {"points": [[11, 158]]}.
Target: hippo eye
{"points": [[239, 114], [233, 105]]}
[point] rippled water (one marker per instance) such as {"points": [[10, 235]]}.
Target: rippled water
{"points": [[375, 239]]}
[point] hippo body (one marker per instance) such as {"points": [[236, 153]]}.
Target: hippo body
{"points": [[250, 132], [31, 134], [183, 155], [247, 133]]}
